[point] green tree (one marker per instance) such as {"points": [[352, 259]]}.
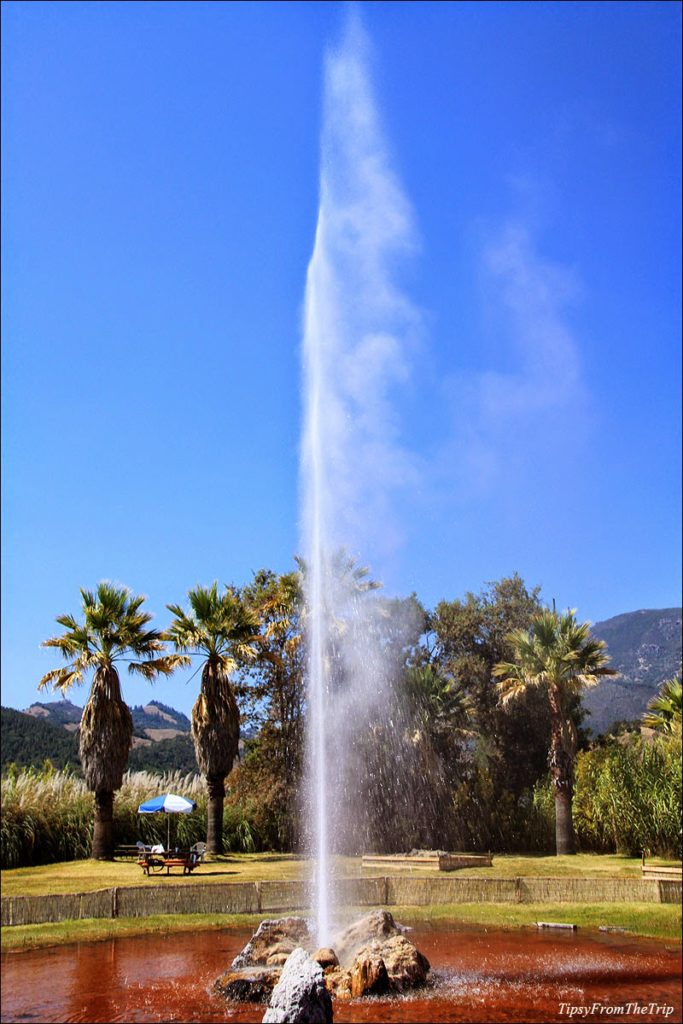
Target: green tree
{"points": [[224, 631], [559, 656], [113, 630], [664, 709], [493, 771], [271, 690]]}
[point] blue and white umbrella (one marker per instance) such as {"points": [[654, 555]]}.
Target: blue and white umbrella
{"points": [[167, 803]]}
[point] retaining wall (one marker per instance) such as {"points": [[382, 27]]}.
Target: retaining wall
{"points": [[274, 897]]}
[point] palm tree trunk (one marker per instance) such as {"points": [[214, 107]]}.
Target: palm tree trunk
{"points": [[564, 827], [103, 834], [561, 766], [214, 826]]}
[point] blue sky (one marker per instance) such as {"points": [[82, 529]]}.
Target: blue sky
{"points": [[160, 184]]}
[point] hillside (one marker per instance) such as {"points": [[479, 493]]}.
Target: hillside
{"points": [[159, 721], [161, 740], [645, 648], [154, 721], [29, 740], [57, 712], [171, 755]]}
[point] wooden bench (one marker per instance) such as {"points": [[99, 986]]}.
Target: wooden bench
{"points": [[127, 852], [662, 874], [436, 861], [188, 864]]}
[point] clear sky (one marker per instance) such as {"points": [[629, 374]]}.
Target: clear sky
{"points": [[160, 188]]}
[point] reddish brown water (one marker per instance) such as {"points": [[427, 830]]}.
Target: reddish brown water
{"points": [[480, 975]]}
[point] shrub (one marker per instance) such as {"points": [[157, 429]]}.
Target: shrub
{"points": [[628, 796]]}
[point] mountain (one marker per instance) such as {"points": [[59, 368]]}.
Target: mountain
{"points": [[161, 739], [57, 712], [645, 649], [30, 739], [170, 755], [152, 722], [158, 721]]}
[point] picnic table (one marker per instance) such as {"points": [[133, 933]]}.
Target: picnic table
{"points": [[154, 860]]}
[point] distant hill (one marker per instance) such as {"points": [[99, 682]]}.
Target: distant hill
{"points": [[57, 712], [29, 740], [154, 721], [171, 755], [161, 740], [645, 648], [158, 721]]}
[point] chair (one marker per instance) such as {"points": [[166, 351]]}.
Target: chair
{"points": [[197, 853]]}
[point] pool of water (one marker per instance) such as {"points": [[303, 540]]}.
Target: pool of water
{"points": [[480, 974]]}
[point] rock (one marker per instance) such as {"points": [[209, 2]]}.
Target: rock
{"points": [[247, 984], [406, 966], [377, 925], [326, 957], [368, 975], [277, 938], [369, 957], [338, 982], [300, 996]]}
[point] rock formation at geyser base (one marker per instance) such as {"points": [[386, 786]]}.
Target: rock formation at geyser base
{"points": [[281, 965]]}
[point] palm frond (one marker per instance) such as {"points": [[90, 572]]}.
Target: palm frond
{"points": [[664, 710], [165, 666]]}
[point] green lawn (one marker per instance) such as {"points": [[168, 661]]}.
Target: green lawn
{"points": [[88, 875], [661, 921], [652, 919], [658, 920]]}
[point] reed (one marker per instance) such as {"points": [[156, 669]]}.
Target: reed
{"points": [[628, 797], [47, 816]]}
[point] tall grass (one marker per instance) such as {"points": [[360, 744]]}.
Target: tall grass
{"points": [[47, 816], [628, 797]]}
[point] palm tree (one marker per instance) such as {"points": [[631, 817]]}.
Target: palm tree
{"points": [[664, 709], [560, 655], [222, 629], [113, 628], [439, 706]]}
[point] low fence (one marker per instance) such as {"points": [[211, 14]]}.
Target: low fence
{"points": [[275, 897]]}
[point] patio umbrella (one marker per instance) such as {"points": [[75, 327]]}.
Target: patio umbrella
{"points": [[167, 803]]}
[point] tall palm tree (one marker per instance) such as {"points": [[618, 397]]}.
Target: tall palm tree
{"points": [[560, 655], [664, 709], [222, 629], [113, 629]]}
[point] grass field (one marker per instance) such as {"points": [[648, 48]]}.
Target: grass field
{"points": [[658, 921], [88, 875]]}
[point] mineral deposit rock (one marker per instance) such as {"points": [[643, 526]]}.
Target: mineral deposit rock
{"points": [[247, 984], [326, 957], [377, 925], [368, 975], [406, 966], [338, 982], [300, 996], [274, 939], [378, 956]]}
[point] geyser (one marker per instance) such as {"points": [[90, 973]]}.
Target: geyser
{"points": [[356, 334]]}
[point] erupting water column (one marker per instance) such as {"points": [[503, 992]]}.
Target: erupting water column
{"points": [[354, 334]]}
